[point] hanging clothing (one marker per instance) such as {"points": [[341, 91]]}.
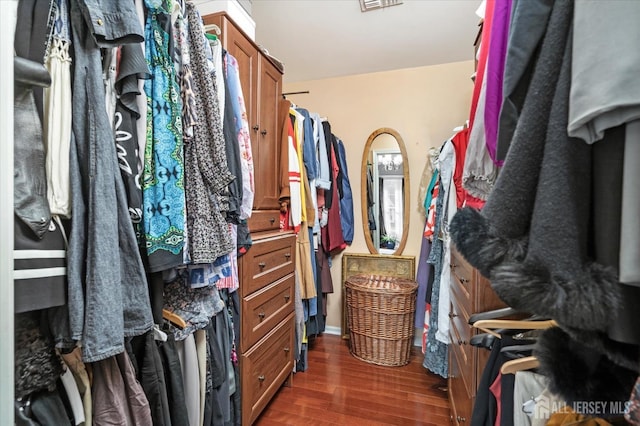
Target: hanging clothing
{"points": [[232, 149], [527, 28], [207, 174], [147, 363], [108, 297], [332, 238], [131, 67], [323, 180], [526, 254], [188, 356], [596, 102], [479, 172], [436, 356], [290, 176], [58, 112], [118, 397], [494, 74], [422, 278], [194, 305], [304, 267], [163, 178], [346, 201], [242, 132], [447, 163]]}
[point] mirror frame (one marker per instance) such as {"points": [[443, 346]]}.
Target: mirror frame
{"points": [[363, 190]]}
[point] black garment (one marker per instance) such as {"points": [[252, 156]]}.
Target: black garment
{"points": [[213, 414], [328, 193], [173, 381], [32, 37], [232, 303], [243, 237], [50, 289], [507, 385], [147, 363], [606, 190], [485, 408], [37, 367], [371, 216], [47, 408], [30, 78], [131, 67], [528, 25]]}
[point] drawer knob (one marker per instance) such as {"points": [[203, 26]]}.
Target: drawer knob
{"points": [[261, 316], [461, 419], [452, 315], [286, 349], [262, 265], [261, 378], [255, 128], [287, 297], [272, 220], [287, 255], [462, 342], [263, 132], [464, 280], [453, 265]]}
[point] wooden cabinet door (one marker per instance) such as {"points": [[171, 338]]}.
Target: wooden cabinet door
{"points": [[247, 56], [265, 144]]}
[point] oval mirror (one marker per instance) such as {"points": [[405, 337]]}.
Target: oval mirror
{"points": [[384, 192]]}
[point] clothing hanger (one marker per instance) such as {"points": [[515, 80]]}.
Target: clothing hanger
{"points": [[520, 364], [212, 27], [174, 318], [489, 325]]}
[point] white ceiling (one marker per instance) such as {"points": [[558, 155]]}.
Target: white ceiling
{"points": [[318, 39]]}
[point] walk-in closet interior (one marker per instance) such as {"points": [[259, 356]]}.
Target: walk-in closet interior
{"points": [[331, 212]]}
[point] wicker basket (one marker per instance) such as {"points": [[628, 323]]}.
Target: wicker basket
{"points": [[380, 315]]}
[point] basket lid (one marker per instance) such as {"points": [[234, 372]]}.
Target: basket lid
{"points": [[383, 283]]}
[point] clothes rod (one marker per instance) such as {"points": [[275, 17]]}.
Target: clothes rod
{"points": [[295, 93]]}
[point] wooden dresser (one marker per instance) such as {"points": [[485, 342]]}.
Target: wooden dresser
{"points": [[266, 320], [266, 341], [470, 293]]}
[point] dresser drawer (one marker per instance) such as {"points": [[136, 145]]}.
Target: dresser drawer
{"points": [[264, 220], [265, 368], [462, 274], [462, 292], [464, 355], [265, 308], [267, 261], [460, 400]]}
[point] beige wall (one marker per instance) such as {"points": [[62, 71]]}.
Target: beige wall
{"points": [[423, 104]]}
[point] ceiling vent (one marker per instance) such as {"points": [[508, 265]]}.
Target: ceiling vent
{"points": [[367, 5]]}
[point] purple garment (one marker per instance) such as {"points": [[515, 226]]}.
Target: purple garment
{"points": [[422, 277], [494, 74]]}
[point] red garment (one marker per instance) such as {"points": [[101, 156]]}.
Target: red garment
{"points": [[430, 225], [496, 390], [482, 60], [332, 238], [460, 141]]}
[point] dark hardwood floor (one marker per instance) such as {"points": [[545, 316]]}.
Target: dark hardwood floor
{"points": [[338, 389]]}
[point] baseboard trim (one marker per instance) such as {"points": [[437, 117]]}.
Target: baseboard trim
{"points": [[330, 329]]}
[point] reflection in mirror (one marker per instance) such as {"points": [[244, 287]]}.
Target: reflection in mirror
{"points": [[385, 198]]}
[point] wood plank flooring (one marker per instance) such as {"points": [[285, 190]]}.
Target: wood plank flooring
{"points": [[338, 389]]}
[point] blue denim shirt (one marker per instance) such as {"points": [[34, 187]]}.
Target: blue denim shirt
{"points": [[108, 296]]}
